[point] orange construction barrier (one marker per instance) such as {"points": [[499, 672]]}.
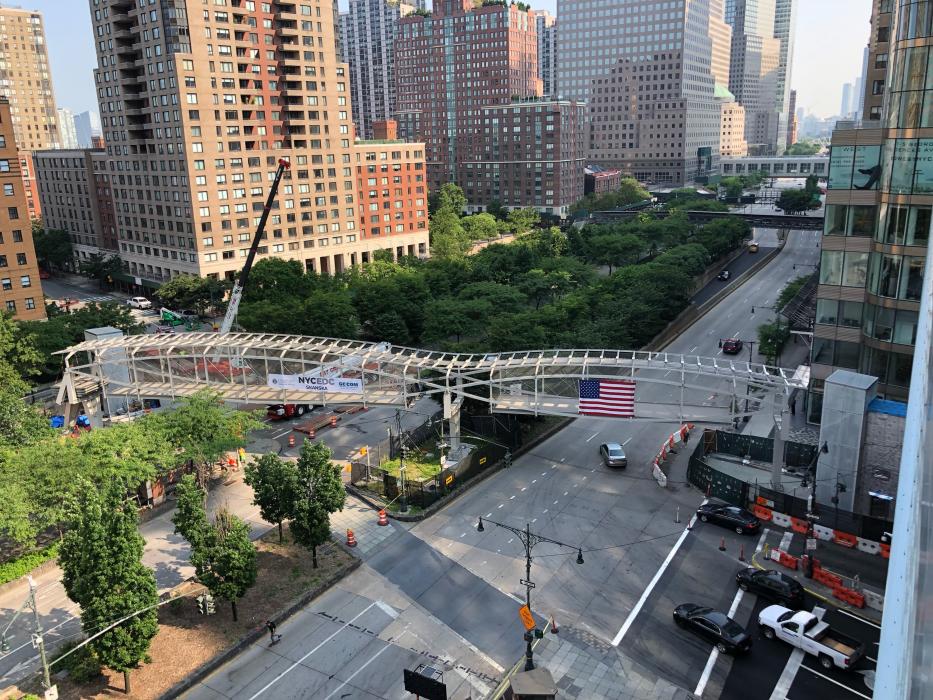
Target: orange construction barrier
{"points": [[333, 421], [291, 440], [788, 561], [761, 512], [312, 433], [886, 550], [798, 525], [845, 539], [351, 540], [383, 520]]}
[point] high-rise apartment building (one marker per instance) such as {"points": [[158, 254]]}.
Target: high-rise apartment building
{"points": [[546, 29], [66, 128], [754, 73], [845, 106], [198, 103], [367, 42], [87, 126], [74, 188], [732, 124], [531, 154], [20, 287], [877, 227], [785, 20], [26, 79], [876, 70], [645, 69], [792, 118], [452, 64]]}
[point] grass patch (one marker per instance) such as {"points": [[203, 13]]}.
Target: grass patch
{"points": [[416, 468], [22, 565]]}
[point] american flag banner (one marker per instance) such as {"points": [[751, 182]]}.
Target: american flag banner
{"points": [[607, 397]]}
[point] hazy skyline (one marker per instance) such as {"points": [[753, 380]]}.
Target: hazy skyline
{"points": [[820, 67]]}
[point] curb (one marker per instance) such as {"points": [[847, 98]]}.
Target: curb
{"points": [[465, 486], [826, 599], [224, 656]]}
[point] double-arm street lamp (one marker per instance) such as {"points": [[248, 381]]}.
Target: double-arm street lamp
{"points": [[529, 539]]}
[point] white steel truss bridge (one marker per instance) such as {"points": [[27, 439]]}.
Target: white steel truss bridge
{"points": [[255, 368]]}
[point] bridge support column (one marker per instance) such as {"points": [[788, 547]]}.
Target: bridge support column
{"points": [[780, 435], [452, 416]]}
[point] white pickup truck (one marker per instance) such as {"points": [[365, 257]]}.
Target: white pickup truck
{"points": [[808, 632]]}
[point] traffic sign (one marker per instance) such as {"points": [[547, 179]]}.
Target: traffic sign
{"points": [[811, 543], [527, 618], [529, 584]]}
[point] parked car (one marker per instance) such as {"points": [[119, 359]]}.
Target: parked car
{"points": [[732, 346], [730, 516], [139, 303], [714, 626], [724, 275], [809, 633], [44, 274], [772, 585], [613, 455]]}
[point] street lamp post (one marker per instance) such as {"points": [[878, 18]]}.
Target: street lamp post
{"points": [[403, 502], [529, 540]]}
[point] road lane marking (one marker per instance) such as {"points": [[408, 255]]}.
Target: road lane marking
{"points": [[786, 540], [592, 436], [354, 674], [534, 481], [524, 488], [627, 441], [488, 515], [654, 581], [303, 658], [714, 654], [563, 459], [693, 349], [860, 619], [276, 437], [500, 505], [787, 677], [512, 497], [841, 685]]}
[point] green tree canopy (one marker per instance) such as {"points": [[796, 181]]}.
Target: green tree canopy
{"points": [[101, 267], [796, 201], [192, 292], [448, 197], [190, 517], [803, 148], [102, 571], [225, 558], [320, 493], [629, 192], [274, 482], [53, 248], [449, 241], [18, 346], [480, 227]]}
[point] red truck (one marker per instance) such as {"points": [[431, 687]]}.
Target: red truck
{"points": [[284, 411]]}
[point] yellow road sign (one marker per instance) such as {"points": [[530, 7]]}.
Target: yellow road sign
{"points": [[527, 618]]}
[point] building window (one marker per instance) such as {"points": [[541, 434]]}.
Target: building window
{"points": [[30, 303], [25, 281], [11, 306], [3, 262], [8, 190], [21, 258], [4, 165], [6, 284], [17, 236], [12, 212]]}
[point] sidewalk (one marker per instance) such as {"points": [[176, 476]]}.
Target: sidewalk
{"points": [[870, 569]]}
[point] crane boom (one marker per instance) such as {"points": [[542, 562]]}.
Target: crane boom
{"points": [[240, 284]]}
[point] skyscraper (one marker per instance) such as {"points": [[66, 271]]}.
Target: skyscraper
{"points": [[792, 118], [367, 41], [754, 77], [449, 66], [877, 67], [87, 126], [785, 20], [26, 79], [198, 104], [546, 29], [645, 69], [845, 107], [66, 128]]}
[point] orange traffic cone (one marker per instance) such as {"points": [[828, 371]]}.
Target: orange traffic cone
{"points": [[383, 520], [333, 421], [722, 545], [351, 540], [312, 433], [742, 552], [554, 629], [291, 440]]}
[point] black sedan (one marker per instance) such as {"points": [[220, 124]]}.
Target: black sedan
{"points": [[713, 626], [732, 517], [772, 585]]}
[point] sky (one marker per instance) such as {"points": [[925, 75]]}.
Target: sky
{"points": [[821, 64]]}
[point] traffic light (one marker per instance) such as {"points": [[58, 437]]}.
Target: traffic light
{"points": [[202, 604], [507, 459], [209, 603], [4, 645]]}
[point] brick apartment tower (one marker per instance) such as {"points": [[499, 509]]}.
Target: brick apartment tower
{"points": [[451, 65], [198, 101], [20, 288], [26, 80]]}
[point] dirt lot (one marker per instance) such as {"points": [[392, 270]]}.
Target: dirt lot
{"points": [[187, 639]]}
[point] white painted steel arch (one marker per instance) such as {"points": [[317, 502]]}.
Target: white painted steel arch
{"points": [[543, 382]]}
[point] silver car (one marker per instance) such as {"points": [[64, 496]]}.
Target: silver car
{"points": [[613, 455]]}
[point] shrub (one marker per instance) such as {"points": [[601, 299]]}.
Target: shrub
{"points": [[22, 565], [82, 665]]}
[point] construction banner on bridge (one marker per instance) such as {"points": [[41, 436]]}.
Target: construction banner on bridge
{"points": [[316, 384]]}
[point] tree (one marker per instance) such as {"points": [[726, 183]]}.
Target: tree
{"points": [[274, 482], [320, 493], [734, 186], [18, 346], [225, 558], [275, 279], [615, 250], [771, 339], [190, 517], [448, 317], [448, 198], [812, 185], [796, 201], [630, 191], [496, 209], [803, 148], [102, 571], [390, 327], [21, 424], [523, 220], [192, 292], [101, 267], [203, 429], [53, 248], [448, 239], [790, 291], [480, 227]]}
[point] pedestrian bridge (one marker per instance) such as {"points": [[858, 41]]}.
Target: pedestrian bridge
{"points": [[253, 368]]}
